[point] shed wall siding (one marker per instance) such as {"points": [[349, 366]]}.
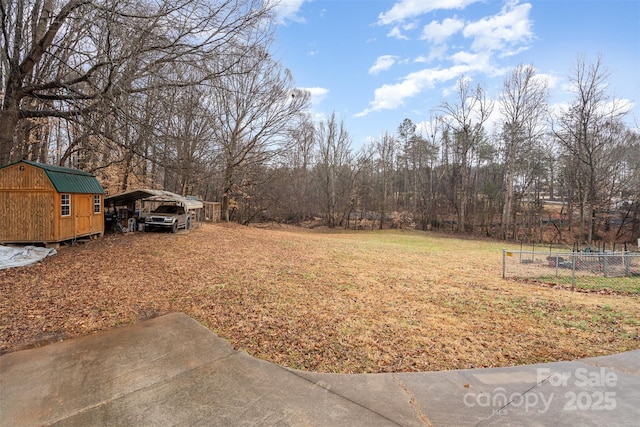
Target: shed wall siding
{"points": [[27, 179], [30, 209], [26, 205], [27, 216]]}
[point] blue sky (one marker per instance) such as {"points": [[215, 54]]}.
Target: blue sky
{"points": [[376, 62]]}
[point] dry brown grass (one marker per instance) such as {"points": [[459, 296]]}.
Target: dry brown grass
{"points": [[322, 301]]}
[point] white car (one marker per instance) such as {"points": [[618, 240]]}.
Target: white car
{"points": [[168, 217]]}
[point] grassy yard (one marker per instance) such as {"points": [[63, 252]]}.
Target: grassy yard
{"points": [[318, 300], [630, 285]]}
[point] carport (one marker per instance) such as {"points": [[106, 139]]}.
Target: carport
{"points": [[138, 203]]}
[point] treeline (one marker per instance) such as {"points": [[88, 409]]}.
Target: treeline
{"points": [[185, 96], [567, 176]]}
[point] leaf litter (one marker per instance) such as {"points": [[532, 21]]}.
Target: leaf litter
{"points": [[323, 301]]}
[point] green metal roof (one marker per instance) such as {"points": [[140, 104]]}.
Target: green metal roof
{"points": [[67, 180]]}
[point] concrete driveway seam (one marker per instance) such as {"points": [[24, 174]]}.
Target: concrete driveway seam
{"points": [[329, 390], [412, 400]]}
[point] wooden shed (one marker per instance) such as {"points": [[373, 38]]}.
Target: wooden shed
{"points": [[48, 204]]}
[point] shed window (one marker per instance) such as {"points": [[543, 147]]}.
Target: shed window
{"points": [[96, 204], [66, 204]]}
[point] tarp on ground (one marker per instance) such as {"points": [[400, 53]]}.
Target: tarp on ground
{"points": [[19, 256]]}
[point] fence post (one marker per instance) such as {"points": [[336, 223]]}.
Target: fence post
{"points": [[557, 262], [504, 262], [573, 270]]}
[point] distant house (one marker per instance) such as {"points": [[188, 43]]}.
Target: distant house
{"points": [[48, 204]]}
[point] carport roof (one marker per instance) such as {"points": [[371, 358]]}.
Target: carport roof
{"points": [[154, 195]]}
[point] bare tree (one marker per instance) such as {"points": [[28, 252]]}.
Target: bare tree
{"points": [[252, 112], [407, 159], [282, 190], [384, 159], [335, 168], [427, 171], [298, 165], [465, 118], [631, 179], [523, 104], [64, 59], [188, 129], [588, 132], [416, 152]]}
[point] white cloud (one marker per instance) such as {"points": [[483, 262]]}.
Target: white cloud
{"points": [[428, 128], [392, 96], [396, 33], [557, 109], [287, 10], [438, 33], [500, 35], [383, 63], [510, 28], [495, 119], [449, 90], [624, 105], [438, 52], [550, 80], [318, 117], [405, 9], [478, 62], [318, 94], [467, 58], [614, 107]]}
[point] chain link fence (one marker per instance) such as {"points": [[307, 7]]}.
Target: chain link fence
{"points": [[605, 270]]}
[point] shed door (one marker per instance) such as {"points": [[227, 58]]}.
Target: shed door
{"points": [[84, 210]]}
